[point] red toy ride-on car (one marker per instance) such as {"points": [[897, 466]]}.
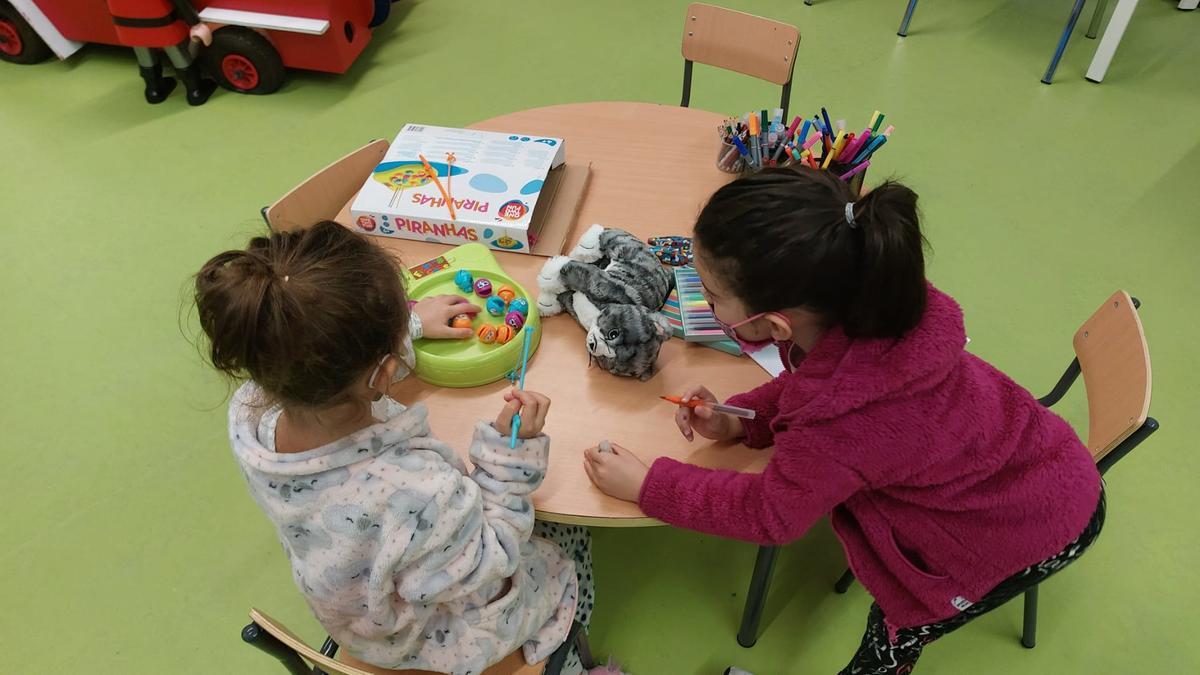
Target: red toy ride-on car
{"points": [[253, 41]]}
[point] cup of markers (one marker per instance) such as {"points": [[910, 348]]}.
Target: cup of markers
{"points": [[754, 142]]}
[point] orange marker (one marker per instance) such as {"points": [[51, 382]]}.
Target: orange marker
{"points": [[441, 188], [744, 413]]}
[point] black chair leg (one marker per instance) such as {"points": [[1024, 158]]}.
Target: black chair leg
{"points": [[585, 651], [255, 636], [687, 84], [843, 584], [330, 649], [756, 597], [577, 637], [1029, 631]]}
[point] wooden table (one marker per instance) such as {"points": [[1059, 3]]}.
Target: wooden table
{"points": [[653, 166]]}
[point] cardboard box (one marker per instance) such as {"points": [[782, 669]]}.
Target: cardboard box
{"points": [[501, 185]]}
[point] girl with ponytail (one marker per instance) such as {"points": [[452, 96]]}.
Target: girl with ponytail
{"points": [[951, 489]]}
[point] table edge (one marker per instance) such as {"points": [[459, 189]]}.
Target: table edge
{"points": [[597, 521]]}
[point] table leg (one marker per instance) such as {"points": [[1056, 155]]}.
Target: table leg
{"points": [[756, 597], [1110, 39], [908, 12], [1062, 41], [1097, 17]]}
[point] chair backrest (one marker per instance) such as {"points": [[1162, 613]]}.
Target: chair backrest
{"points": [[514, 664], [1115, 362], [324, 194], [740, 42]]}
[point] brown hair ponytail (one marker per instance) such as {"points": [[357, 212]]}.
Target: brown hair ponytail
{"points": [[302, 313]]}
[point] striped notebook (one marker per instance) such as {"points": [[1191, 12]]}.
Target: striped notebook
{"points": [[690, 316]]}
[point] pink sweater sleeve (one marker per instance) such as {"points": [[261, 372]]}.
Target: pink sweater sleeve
{"points": [[771, 508], [764, 401]]}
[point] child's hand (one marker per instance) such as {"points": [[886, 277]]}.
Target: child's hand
{"points": [[436, 312], [704, 421], [201, 33], [618, 473], [533, 408]]}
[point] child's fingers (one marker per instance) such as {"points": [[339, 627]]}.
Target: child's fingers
{"points": [[683, 420], [543, 409], [504, 419], [528, 401], [700, 392], [703, 412], [461, 306], [594, 458], [533, 414], [460, 333]]}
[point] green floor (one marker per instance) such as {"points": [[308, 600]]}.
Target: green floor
{"points": [[130, 544]]}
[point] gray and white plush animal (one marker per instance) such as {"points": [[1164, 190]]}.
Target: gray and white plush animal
{"points": [[614, 287]]}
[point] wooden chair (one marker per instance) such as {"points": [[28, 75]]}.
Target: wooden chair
{"points": [[322, 196], [1077, 8], [275, 639], [1111, 353], [740, 42]]}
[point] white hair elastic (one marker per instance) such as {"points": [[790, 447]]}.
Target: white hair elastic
{"points": [[850, 215]]}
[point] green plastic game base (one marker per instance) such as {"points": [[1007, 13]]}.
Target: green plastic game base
{"points": [[468, 362]]}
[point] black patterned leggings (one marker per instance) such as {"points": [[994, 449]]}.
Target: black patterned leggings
{"points": [[878, 655], [575, 542]]}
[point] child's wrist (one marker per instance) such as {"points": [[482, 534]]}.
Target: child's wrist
{"points": [[736, 429]]}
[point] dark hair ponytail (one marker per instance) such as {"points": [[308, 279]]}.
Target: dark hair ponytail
{"points": [[302, 313], [781, 238], [891, 281]]}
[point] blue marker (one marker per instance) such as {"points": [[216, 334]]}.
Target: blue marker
{"points": [[872, 147], [741, 148], [516, 419]]}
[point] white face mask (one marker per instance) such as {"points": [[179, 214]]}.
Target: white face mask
{"points": [[385, 407]]}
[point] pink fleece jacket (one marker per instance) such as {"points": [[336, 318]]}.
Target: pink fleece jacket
{"points": [[943, 477]]}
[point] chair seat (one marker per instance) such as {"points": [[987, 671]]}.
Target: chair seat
{"points": [[514, 664]]}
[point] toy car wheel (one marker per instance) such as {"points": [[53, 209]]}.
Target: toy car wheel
{"points": [[244, 61], [382, 9], [19, 43]]}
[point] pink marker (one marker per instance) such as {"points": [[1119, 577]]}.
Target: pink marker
{"points": [[792, 129], [888, 131], [812, 141], [852, 149], [855, 171]]}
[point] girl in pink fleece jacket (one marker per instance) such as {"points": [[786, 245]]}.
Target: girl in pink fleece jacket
{"points": [[951, 489]]}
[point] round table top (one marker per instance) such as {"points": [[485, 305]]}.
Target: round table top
{"points": [[653, 166]]}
